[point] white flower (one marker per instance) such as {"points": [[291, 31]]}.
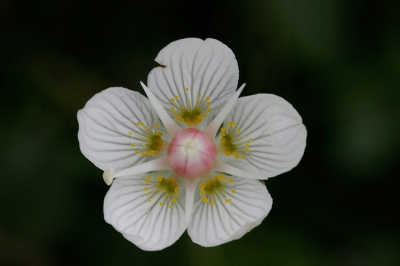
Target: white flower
{"points": [[190, 155]]}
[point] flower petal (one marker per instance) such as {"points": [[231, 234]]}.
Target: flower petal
{"points": [[229, 213], [267, 134], [108, 131], [208, 68], [132, 206]]}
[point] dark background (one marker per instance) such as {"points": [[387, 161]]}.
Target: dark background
{"points": [[336, 61]]}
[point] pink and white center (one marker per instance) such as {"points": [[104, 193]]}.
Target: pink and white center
{"points": [[191, 153]]}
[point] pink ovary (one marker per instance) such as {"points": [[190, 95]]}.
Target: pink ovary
{"points": [[191, 153]]}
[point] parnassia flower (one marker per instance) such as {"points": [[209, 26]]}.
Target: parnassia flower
{"points": [[189, 156]]}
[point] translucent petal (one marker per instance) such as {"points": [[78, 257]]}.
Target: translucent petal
{"points": [[239, 206], [132, 206], [108, 128], [208, 68], [272, 132]]}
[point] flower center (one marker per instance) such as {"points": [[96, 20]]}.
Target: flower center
{"points": [[191, 153]]}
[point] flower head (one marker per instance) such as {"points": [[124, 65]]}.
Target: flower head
{"points": [[190, 155]]}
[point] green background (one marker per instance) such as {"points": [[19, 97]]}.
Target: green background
{"points": [[336, 61]]}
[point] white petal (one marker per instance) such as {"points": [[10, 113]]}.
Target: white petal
{"points": [[222, 222], [208, 68], [277, 132], [105, 123], [148, 225]]}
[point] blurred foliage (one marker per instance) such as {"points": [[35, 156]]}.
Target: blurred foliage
{"points": [[337, 62]]}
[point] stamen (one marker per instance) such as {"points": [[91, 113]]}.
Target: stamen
{"points": [[108, 175], [162, 189], [148, 141], [218, 187], [232, 142], [190, 112]]}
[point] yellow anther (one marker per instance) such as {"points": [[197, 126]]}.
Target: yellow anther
{"points": [[223, 178], [222, 140], [227, 200], [238, 130], [242, 156], [223, 129], [229, 124], [236, 156], [146, 181], [172, 108], [230, 180], [172, 100], [161, 203], [216, 177], [176, 97], [207, 98], [170, 206], [223, 134], [147, 194], [227, 153], [212, 202], [149, 177], [209, 110], [233, 123], [202, 192], [146, 188], [250, 139], [208, 103], [136, 152], [147, 127], [198, 95], [130, 132], [186, 89], [159, 177], [149, 200], [176, 195], [138, 123], [205, 115], [176, 189], [246, 150], [156, 124], [247, 145], [204, 199], [132, 145], [233, 191], [173, 200]]}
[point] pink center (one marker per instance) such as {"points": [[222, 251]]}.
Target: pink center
{"points": [[191, 153]]}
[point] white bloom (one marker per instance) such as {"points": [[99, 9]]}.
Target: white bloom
{"points": [[189, 155]]}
